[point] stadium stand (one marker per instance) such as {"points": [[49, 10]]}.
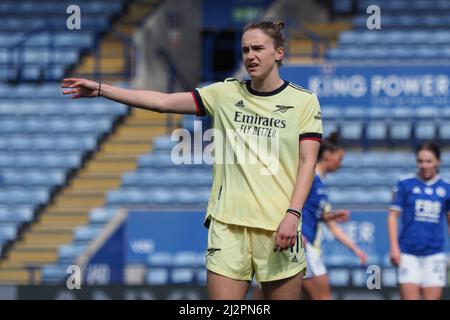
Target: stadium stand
{"points": [[46, 142]]}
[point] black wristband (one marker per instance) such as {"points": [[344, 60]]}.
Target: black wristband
{"points": [[294, 212], [99, 88]]}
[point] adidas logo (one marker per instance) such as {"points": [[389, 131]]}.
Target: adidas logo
{"points": [[240, 104], [294, 259]]}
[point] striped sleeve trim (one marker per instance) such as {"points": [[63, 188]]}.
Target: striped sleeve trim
{"points": [[311, 136], [198, 103], [396, 208]]}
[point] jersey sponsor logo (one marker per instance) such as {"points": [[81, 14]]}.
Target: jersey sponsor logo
{"points": [[240, 104], [416, 190], [282, 109], [441, 192], [427, 210], [212, 251], [259, 120]]}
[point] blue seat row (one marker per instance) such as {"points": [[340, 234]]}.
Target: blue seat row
{"points": [[417, 6], [47, 161], [394, 38], [51, 7], [158, 196], [398, 53], [413, 21], [24, 23], [24, 196], [56, 126], [48, 142], [23, 107], [145, 178], [34, 178]]}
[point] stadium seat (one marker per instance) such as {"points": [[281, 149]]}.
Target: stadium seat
{"points": [[68, 253], [99, 216], [339, 276], [160, 259], [158, 276], [389, 278], [352, 132], [54, 273], [84, 234], [425, 130]]}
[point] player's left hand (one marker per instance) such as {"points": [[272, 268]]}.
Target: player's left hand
{"points": [[286, 234]]}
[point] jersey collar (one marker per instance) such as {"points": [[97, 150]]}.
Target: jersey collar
{"points": [[429, 183], [266, 94]]}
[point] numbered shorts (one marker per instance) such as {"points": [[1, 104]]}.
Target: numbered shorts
{"points": [[314, 262], [239, 253], [426, 271]]}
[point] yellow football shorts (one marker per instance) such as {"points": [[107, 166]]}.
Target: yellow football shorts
{"points": [[239, 253]]}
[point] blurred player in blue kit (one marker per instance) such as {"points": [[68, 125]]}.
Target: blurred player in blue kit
{"points": [[422, 200]]}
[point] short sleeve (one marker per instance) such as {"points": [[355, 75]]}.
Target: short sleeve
{"points": [[311, 120], [206, 99], [398, 197], [325, 207], [447, 203]]}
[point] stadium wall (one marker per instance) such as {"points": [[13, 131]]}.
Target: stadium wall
{"points": [[176, 28]]}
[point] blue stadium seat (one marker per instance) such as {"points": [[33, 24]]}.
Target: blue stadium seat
{"points": [[341, 197], [428, 113], [84, 234], [159, 259], [7, 233], [15, 214], [389, 278], [163, 143], [54, 273], [183, 275], [444, 132], [440, 38], [392, 38], [419, 37], [161, 197], [99, 216], [68, 253], [376, 132], [349, 38], [339, 276], [332, 112], [355, 113], [352, 131], [401, 132], [157, 276], [425, 130]]}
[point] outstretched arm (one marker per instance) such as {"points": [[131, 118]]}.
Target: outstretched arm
{"points": [[286, 233], [346, 241], [182, 102], [338, 216]]}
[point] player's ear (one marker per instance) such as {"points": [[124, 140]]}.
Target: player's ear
{"points": [[279, 54]]}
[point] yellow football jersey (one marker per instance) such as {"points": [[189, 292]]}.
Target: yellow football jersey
{"points": [[256, 148]]}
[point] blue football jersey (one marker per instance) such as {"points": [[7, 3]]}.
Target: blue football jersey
{"points": [[316, 204], [424, 206]]}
